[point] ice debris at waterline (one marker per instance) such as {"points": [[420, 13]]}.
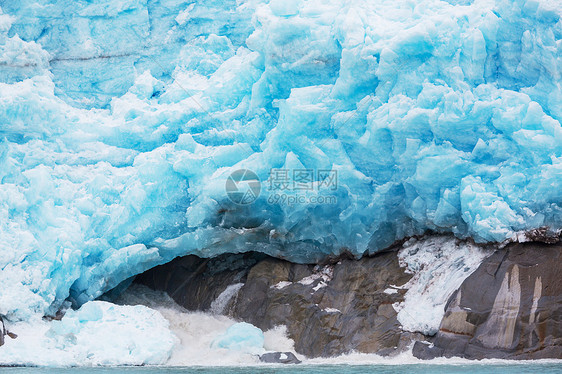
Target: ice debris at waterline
{"points": [[99, 333], [144, 327], [439, 266], [122, 120]]}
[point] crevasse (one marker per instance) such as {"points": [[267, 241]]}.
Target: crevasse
{"points": [[120, 122]]}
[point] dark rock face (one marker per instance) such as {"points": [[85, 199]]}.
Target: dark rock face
{"points": [[279, 358], [328, 310], [2, 331], [511, 307], [195, 282]]}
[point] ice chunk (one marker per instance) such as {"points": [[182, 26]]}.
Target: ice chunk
{"points": [[243, 337]]}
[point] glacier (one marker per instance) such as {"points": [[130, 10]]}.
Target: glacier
{"points": [[120, 122]]}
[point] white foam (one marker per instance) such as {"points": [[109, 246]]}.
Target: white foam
{"points": [[407, 358], [98, 334]]}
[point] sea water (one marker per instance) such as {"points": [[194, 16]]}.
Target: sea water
{"points": [[504, 368]]}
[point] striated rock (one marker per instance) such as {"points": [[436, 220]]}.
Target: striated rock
{"points": [[328, 310], [511, 307], [279, 358], [195, 282], [2, 331]]}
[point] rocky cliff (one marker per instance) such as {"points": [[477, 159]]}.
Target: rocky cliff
{"points": [[510, 307]]}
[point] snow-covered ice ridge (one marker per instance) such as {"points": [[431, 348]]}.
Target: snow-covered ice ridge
{"points": [[121, 120]]}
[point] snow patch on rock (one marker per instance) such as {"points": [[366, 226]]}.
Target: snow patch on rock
{"points": [[438, 266]]}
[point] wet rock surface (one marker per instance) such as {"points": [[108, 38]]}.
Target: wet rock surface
{"points": [[511, 307], [328, 310], [279, 358]]}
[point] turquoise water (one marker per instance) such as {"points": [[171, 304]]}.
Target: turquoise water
{"points": [[515, 368]]}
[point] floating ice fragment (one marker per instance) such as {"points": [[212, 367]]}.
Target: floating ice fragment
{"points": [[243, 337]]}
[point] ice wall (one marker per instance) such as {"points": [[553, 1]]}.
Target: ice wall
{"points": [[121, 121]]}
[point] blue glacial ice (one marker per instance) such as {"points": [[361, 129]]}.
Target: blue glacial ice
{"points": [[120, 122], [243, 337]]}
